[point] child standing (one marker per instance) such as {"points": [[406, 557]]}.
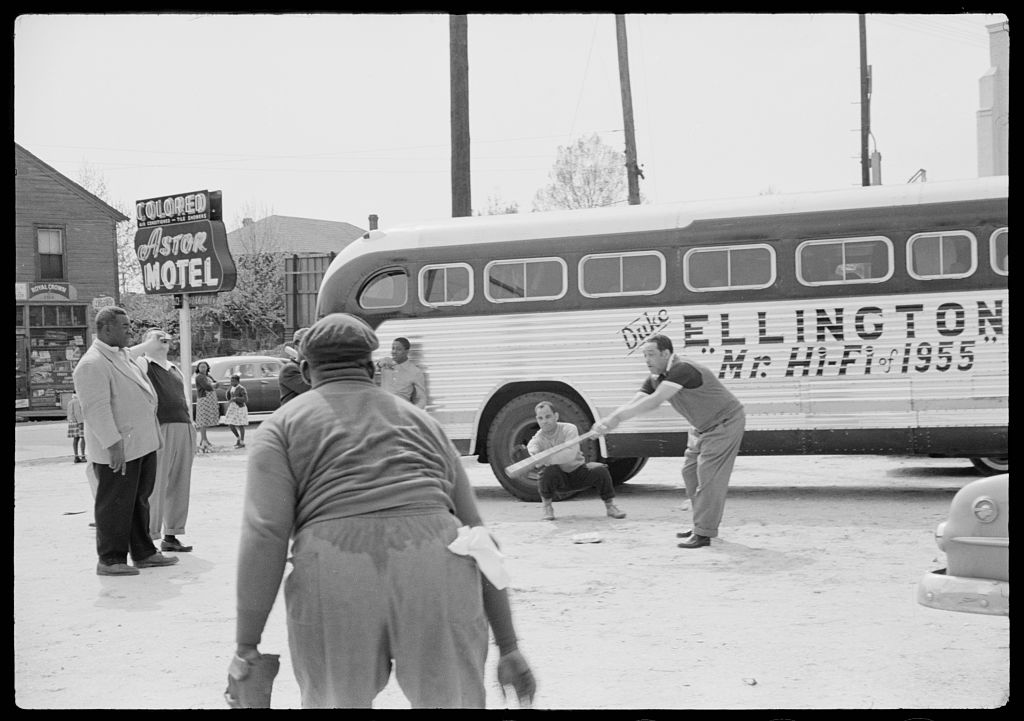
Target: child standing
{"points": [[237, 414], [76, 427]]}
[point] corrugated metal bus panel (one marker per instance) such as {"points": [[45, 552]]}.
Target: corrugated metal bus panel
{"points": [[602, 367]]}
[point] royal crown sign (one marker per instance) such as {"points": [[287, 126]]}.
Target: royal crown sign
{"points": [[182, 245]]}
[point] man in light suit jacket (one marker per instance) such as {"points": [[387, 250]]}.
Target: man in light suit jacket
{"points": [[122, 437]]}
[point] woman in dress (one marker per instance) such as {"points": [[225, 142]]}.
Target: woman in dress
{"points": [[76, 427], [237, 414], [207, 407]]}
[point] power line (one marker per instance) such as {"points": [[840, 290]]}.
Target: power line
{"points": [[586, 71], [314, 156], [975, 37]]}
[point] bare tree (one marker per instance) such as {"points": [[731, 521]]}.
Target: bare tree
{"points": [[587, 174], [129, 272], [496, 205]]}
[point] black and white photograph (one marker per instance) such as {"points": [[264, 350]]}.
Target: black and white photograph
{"points": [[512, 361]]}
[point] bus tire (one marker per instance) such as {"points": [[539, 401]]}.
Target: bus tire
{"points": [[514, 426], [622, 469], [991, 465]]}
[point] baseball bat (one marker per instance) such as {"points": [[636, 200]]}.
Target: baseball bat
{"points": [[519, 466]]}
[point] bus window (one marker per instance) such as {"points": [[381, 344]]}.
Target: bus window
{"points": [[941, 255], [729, 268], [388, 289], [844, 261], [999, 251], [607, 274], [446, 284], [511, 281]]}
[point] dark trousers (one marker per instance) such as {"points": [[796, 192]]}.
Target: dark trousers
{"points": [[122, 510], [596, 475]]}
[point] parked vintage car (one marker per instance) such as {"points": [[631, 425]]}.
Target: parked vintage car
{"points": [[258, 373], [976, 541]]}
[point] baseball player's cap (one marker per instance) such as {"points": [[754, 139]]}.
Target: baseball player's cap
{"points": [[338, 337]]}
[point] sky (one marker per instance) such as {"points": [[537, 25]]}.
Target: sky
{"points": [[339, 116]]}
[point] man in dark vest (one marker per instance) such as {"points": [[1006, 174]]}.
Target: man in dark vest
{"points": [[168, 505], [291, 383]]}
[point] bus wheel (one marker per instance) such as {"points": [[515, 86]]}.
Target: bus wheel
{"points": [[513, 428], [622, 469], [992, 465]]}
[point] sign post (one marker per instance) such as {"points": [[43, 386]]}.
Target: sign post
{"points": [[185, 341], [182, 248]]}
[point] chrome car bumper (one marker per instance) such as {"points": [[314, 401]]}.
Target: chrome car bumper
{"points": [[960, 593]]}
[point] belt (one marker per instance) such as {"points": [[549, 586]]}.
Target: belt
{"points": [[713, 426]]}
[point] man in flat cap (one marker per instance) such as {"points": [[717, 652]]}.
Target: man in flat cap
{"points": [[290, 380], [168, 504], [371, 493]]}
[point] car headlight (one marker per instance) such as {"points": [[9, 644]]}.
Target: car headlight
{"points": [[985, 509]]}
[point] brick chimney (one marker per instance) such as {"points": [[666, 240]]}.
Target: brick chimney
{"points": [[373, 221]]}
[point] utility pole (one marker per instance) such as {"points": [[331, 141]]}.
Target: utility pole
{"points": [[458, 52], [633, 172], [865, 103]]}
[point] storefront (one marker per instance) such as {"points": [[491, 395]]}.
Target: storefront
{"points": [[65, 269], [51, 335]]}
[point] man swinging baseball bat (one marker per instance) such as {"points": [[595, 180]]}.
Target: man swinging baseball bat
{"points": [[556, 448]]}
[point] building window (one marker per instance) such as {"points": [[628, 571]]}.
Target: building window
{"points": [[999, 251], [511, 281], [941, 255], [639, 273], [446, 284], [736, 267], [844, 261], [50, 242]]}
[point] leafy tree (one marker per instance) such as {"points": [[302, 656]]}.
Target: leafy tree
{"points": [[255, 308], [587, 174], [151, 311]]}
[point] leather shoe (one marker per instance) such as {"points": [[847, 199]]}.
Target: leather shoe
{"points": [[684, 534], [115, 569], [695, 541], [614, 512], [157, 559], [174, 545]]}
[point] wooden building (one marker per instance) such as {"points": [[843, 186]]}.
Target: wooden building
{"points": [[65, 269]]}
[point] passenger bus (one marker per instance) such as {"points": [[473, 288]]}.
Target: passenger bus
{"points": [[873, 320]]}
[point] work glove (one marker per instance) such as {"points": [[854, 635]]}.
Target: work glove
{"points": [[250, 681]]}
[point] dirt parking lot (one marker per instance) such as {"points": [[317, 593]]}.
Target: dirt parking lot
{"points": [[807, 601]]}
